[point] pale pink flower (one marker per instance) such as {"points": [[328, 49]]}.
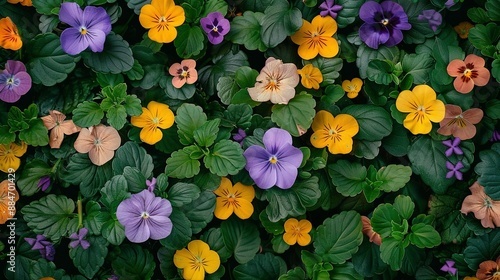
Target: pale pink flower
{"points": [[60, 127], [184, 73], [99, 141]]}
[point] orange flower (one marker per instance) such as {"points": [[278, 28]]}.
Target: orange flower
{"points": [[334, 132], [60, 127], [311, 76], [458, 124], [368, 231], [235, 199], [8, 198], [315, 38], [468, 73], [463, 28], [353, 87], [489, 270], [99, 141], [27, 3], [484, 208], [297, 232], [9, 36]]}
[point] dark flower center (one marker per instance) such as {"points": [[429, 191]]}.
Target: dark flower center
{"points": [[183, 72], [468, 72]]}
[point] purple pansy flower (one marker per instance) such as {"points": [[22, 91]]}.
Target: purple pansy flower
{"points": [[240, 136], [329, 8], [14, 81], [151, 184], [88, 28], [383, 23], [44, 183], [216, 26], [434, 18], [78, 239], [454, 170], [277, 163], [145, 216], [448, 267], [453, 147], [44, 246]]}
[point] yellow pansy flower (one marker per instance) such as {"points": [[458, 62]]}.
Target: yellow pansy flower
{"points": [[423, 108], [311, 76], [235, 199], [9, 156], [352, 87], [161, 17], [155, 116], [297, 232], [315, 38], [334, 132], [196, 260]]}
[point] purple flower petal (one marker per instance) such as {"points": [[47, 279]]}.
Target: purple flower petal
{"points": [[291, 155], [23, 83], [74, 244], [7, 95], [73, 42], [96, 18], [369, 11], [71, 13], [373, 36], [95, 39], [275, 138], [160, 227], [14, 67], [85, 244], [206, 24], [287, 175]]}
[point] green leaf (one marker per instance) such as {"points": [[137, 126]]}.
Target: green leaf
{"points": [[329, 67], [339, 237], [182, 193], [450, 222], [48, 63], [115, 58], [493, 8], [419, 66], [374, 122], [214, 6], [280, 20], [94, 217], [493, 108], [365, 54], [117, 117], [188, 118], [189, 40], [30, 177], [348, 178], [485, 37], [397, 143], [487, 170], [180, 165], [296, 273], [181, 231], [241, 238], [263, 266], [404, 205], [87, 114], [366, 149], [133, 155], [136, 181], [379, 71], [90, 260], [424, 236], [367, 260], [114, 192], [225, 158], [276, 228], [213, 237], [238, 115], [345, 271], [134, 262], [481, 248], [495, 69], [383, 217], [393, 177], [6, 137], [226, 89], [206, 134], [185, 92], [36, 134], [200, 211], [298, 114], [392, 252], [246, 30], [420, 30], [46, 6], [51, 216], [478, 15]]}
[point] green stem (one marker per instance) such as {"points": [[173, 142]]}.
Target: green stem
{"points": [[80, 213]]}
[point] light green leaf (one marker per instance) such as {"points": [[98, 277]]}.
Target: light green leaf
{"points": [[404, 205], [246, 30], [349, 178], [392, 252], [36, 134], [117, 116], [46, 7], [225, 158], [424, 236], [188, 118], [206, 134], [374, 122], [298, 114], [383, 217], [90, 260], [419, 66], [345, 271], [189, 41], [280, 20], [394, 177], [241, 238], [87, 114]]}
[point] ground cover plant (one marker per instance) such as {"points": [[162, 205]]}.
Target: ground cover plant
{"points": [[256, 139]]}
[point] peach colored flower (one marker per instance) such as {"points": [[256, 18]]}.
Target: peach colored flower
{"points": [[60, 127], [484, 208], [489, 270], [468, 73], [458, 124], [99, 141], [184, 73], [368, 231]]}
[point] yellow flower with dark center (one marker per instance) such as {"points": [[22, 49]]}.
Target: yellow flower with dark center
{"points": [[423, 108], [9, 36], [196, 260], [235, 199], [9, 156], [161, 17], [311, 76], [155, 116], [334, 132], [297, 232], [352, 87], [316, 38]]}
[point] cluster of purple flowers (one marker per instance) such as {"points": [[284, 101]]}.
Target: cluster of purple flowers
{"points": [[453, 148], [42, 244]]}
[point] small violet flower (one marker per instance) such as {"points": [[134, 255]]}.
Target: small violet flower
{"points": [[151, 184], [44, 183], [14, 81], [216, 26], [89, 28], [453, 147], [44, 246], [239, 136], [449, 4], [329, 8], [434, 18], [78, 239], [449, 267], [454, 170], [383, 23], [277, 163], [495, 137]]}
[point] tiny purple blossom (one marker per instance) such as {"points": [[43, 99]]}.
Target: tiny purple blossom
{"points": [[449, 4], [329, 8], [78, 239], [89, 28], [453, 147], [449, 267], [14, 81], [383, 23], [454, 170], [44, 183], [44, 246], [495, 137], [434, 18], [216, 26], [145, 216], [151, 184], [240, 136], [277, 163]]}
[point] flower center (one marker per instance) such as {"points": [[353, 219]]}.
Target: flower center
{"points": [[215, 29], [83, 30], [97, 141], [352, 88], [184, 73], [10, 81], [385, 21], [421, 109], [332, 131], [273, 159], [162, 19], [272, 84], [155, 120], [468, 73], [145, 215], [487, 203]]}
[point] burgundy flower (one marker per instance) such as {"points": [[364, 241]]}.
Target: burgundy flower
{"points": [[14, 81], [216, 26]]}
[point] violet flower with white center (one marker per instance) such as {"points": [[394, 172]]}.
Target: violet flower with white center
{"points": [[78, 239], [277, 163], [383, 23], [216, 26], [145, 216], [453, 147], [432, 17], [151, 184], [14, 81], [44, 183], [454, 170], [43, 245], [89, 28], [329, 8]]}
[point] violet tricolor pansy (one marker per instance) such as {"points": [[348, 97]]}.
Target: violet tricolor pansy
{"points": [[14, 81], [216, 26]]}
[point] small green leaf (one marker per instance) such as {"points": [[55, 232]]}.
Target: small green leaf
{"points": [[424, 236], [380, 71], [185, 92], [182, 193], [349, 178], [188, 118], [87, 114], [90, 260], [225, 158], [115, 58], [46, 6], [36, 134], [329, 67], [206, 134], [6, 137], [298, 114], [180, 165], [382, 219], [117, 116], [241, 238], [394, 177], [404, 205], [226, 89]]}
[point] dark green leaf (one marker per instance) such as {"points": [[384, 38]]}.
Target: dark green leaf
{"points": [[30, 177], [374, 122], [393, 177], [182, 193], [90, 260], [134, 263], [116, 57], [131, 154], [245, 30], [487, 170], [419, 66], [189, 41], [380, 71], [87, 114], [200, 211], [206, 134], [263, 266], [36, 134], [424, 236], [185, 92], [382, 219], [226, 157], [181, 231], [241, 238], [295, 116], [392, 252], [481, 248], [181, 165], [349, 178], [279, 21], [329, 67], [188, 118]]}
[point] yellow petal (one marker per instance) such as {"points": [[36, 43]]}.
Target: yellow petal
{"points": [[183, 258], [303, 239], [417, 124], [244, 192], [291, 224], [19, 150], [325, 26], [345, 125], [211, 261], [163, 113], [305, 226], [358, 83], [162, 33], [308, 50], [176, 16], [289, 238], [9, 161], [143, 119], [425, 94], [223, 209], [303, 35], [342, 146], [198, 247], [320, 139], [244, 209], [151, 135], [407, 102], [435, 110], [329, 48], [149, 16], [322, 120], [224, 188]]}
